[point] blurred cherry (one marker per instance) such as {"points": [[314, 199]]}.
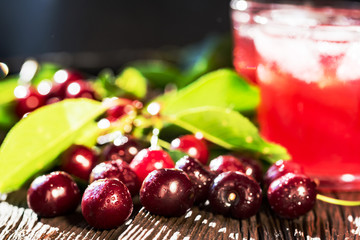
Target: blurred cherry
{"points": [[193, 145], [27, 100]]}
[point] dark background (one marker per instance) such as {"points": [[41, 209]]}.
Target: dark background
{"points": [[96, 34], [86, 28]]}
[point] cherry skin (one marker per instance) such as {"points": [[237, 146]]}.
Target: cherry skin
{"points": [[79, 89], [117, 169], [235, 194], [167, 192], [193, 146], [56, 93], [148, 160], [66, 76], [199, 176], [122, 109], [124, 148], [62, 78], [78, 161], [27, 100], [53, 195], [281, 168], [292, 195], [225, 163], [106, 203], [253, 168]]}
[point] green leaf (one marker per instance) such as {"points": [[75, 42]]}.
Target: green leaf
{"points": [[7, 116], [45, 71], [159, 73], [7, 87], [105, 84], [88, 136], [33, 143], [228, 129], [221, 88], [132, 82], [213, 53], [176, 155]]}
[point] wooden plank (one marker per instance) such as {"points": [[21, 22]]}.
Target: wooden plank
{"points": [[326, 221]]}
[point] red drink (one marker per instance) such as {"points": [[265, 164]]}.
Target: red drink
{"points": [[309, 76], [244, 25], [245, 56]]}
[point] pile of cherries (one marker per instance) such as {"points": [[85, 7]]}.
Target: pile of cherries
{"points": [[125, 168], [65, 84], [229, 184]]}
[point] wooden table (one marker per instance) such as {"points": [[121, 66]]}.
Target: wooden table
{"points": [[326, 221]]}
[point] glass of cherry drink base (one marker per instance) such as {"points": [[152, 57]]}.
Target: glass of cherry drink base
{"points": [[308, 71]]}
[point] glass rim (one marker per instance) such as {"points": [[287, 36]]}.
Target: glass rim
{"points": [[330, 30], [336, 4], [244, 5]]}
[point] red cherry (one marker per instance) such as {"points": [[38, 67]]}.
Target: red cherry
{"points": [[123, 108], [195, 147], [106, 203], [124, 148], [235, 194], [27, 100], [292, 195], [148, 160], [167, 192], [65, 76], [225, 163], [79, 161], [280, 168], [117, 169], [53, 195], [253, 168], [62, 78], [79, 89], [200, 177]]}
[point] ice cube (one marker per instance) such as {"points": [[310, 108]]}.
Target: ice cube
{"points": [[296, 56], [302, 17], [349, 69]]}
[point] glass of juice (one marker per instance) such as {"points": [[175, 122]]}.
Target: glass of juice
{"points": [[308, 71], [243, 23]]}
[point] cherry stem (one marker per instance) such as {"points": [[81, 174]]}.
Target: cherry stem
{"points": [[154, 141], [337, 201], [164, 144]]}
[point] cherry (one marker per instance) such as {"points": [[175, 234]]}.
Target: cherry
{"points": [[123, 147], [65, 76], [253, 168], [148, 160], [292, 195], [53, 195], [225, 163], [79, 89], [195, 147], [123, 108], [199, 176], [117, 169], [62, 78], [106, 203], [235, 194], [27, 100], [78, 161], [167, 192], [50, 90], [281, 168]]}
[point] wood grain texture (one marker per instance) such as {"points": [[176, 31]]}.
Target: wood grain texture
{"points": [[326, 221]]}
